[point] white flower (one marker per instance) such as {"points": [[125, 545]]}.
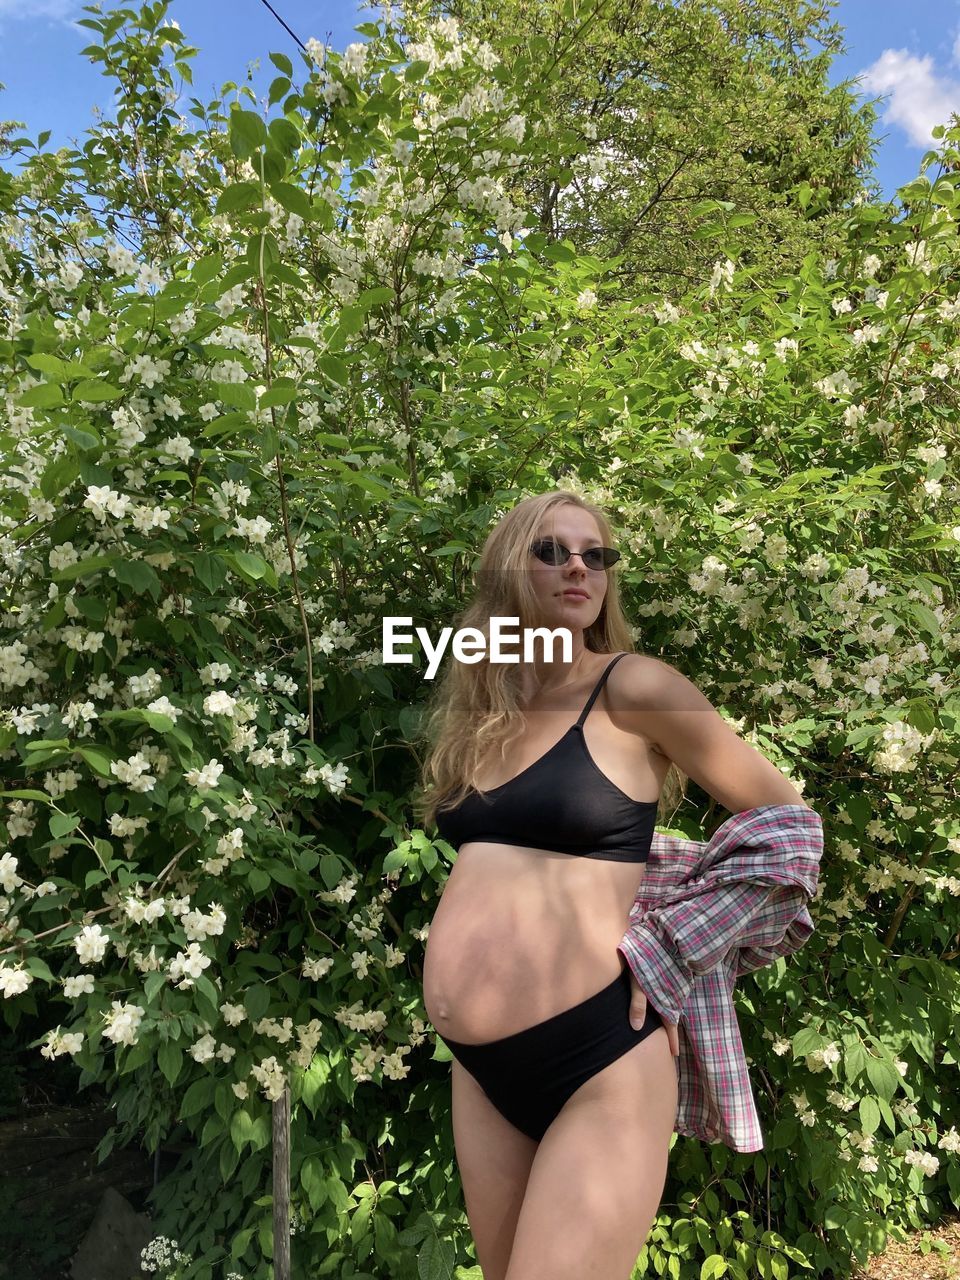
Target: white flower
{"points": [[121, 260], [71, 273], [232, 1013], [8, 873], [189, 964], [147, 276], [144, 912], [101, 498], [91, 943], [134, 771], [14, 981], [197, 926], [229, 301], [78, 985], [205, 779], [203, 1049], [354, 58], [317, 968], [66, 1042], [219, 703], [123, 1022]]}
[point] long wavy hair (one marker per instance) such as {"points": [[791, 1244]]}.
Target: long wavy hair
{"points": [[474, 711]]}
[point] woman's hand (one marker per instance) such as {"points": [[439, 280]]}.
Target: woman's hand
{"points": [[638, 1014]]}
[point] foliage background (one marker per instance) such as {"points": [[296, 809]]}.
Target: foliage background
{"points": [[269, 373]]}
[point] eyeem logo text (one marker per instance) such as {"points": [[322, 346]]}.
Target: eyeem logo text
{"points": [[470, 644]]}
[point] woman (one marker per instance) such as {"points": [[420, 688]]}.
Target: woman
{"points": [[562, 1171]]}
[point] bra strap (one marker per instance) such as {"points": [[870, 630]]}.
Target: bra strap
{"points": [[599, 685]]}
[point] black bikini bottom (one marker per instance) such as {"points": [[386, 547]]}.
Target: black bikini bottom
{"points": [[528, 1076]]}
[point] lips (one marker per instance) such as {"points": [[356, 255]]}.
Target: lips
{"points": [[574, 594]]}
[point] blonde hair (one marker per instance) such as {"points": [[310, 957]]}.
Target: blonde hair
{"points": [[473, 712]]}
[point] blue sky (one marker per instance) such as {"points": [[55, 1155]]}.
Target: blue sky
{"points": [[907, 53]]}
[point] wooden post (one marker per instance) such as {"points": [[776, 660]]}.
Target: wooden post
{"points": [[281, 1186]]}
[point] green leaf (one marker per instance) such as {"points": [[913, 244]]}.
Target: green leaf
{"points": [[884, 1077], [170, 1060], [239, 195], [59, 476], [285, 137], [241, 1128], [372, 297], [210, 571], [82, 439], [46, 362], [560, 252], [331, 869], [98, 761], [282, 63], [273, 166], [61, 824], [333, 368], [239, 395], [153, 983], [82, 567], [45, 395], [278, 394], [207, 269], [313, 1181], [278, 88], [256, 1001], [262, 250], [39, 968], [292, 198], [869, 1114], [142, 577], [93, 391], [247, 132], [258, 880], [197, 1097], [251, 567]]}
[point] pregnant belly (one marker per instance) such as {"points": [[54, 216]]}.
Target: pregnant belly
{"points": [[520, 935]]}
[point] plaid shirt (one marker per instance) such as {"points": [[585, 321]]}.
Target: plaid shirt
{"points": [[707, 913]]}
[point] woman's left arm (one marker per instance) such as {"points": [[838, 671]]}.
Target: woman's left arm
{"points": [[683, 725]]}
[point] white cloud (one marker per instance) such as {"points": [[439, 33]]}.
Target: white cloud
{"points": [[916, 96]]}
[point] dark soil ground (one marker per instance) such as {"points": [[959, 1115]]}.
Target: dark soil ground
{"points": [[50, 1181]]}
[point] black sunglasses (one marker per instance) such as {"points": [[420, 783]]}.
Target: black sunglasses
{"points": [[552, 552]]}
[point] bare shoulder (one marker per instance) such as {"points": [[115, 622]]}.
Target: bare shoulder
{"points": [[641, 682], [678, 720]]}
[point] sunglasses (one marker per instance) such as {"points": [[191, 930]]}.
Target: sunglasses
{"points": [[552, 552]]}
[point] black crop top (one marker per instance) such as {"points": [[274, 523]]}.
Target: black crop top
{"points": [[563, 802]]}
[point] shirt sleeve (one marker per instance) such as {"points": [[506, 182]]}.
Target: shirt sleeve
{"points": [[667, 948], [761, 871]]}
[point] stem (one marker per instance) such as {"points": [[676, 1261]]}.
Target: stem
{"points": [[284, 506]]}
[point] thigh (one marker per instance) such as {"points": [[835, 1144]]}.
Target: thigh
{"points": [[494, 1159], [598, 1176]]}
